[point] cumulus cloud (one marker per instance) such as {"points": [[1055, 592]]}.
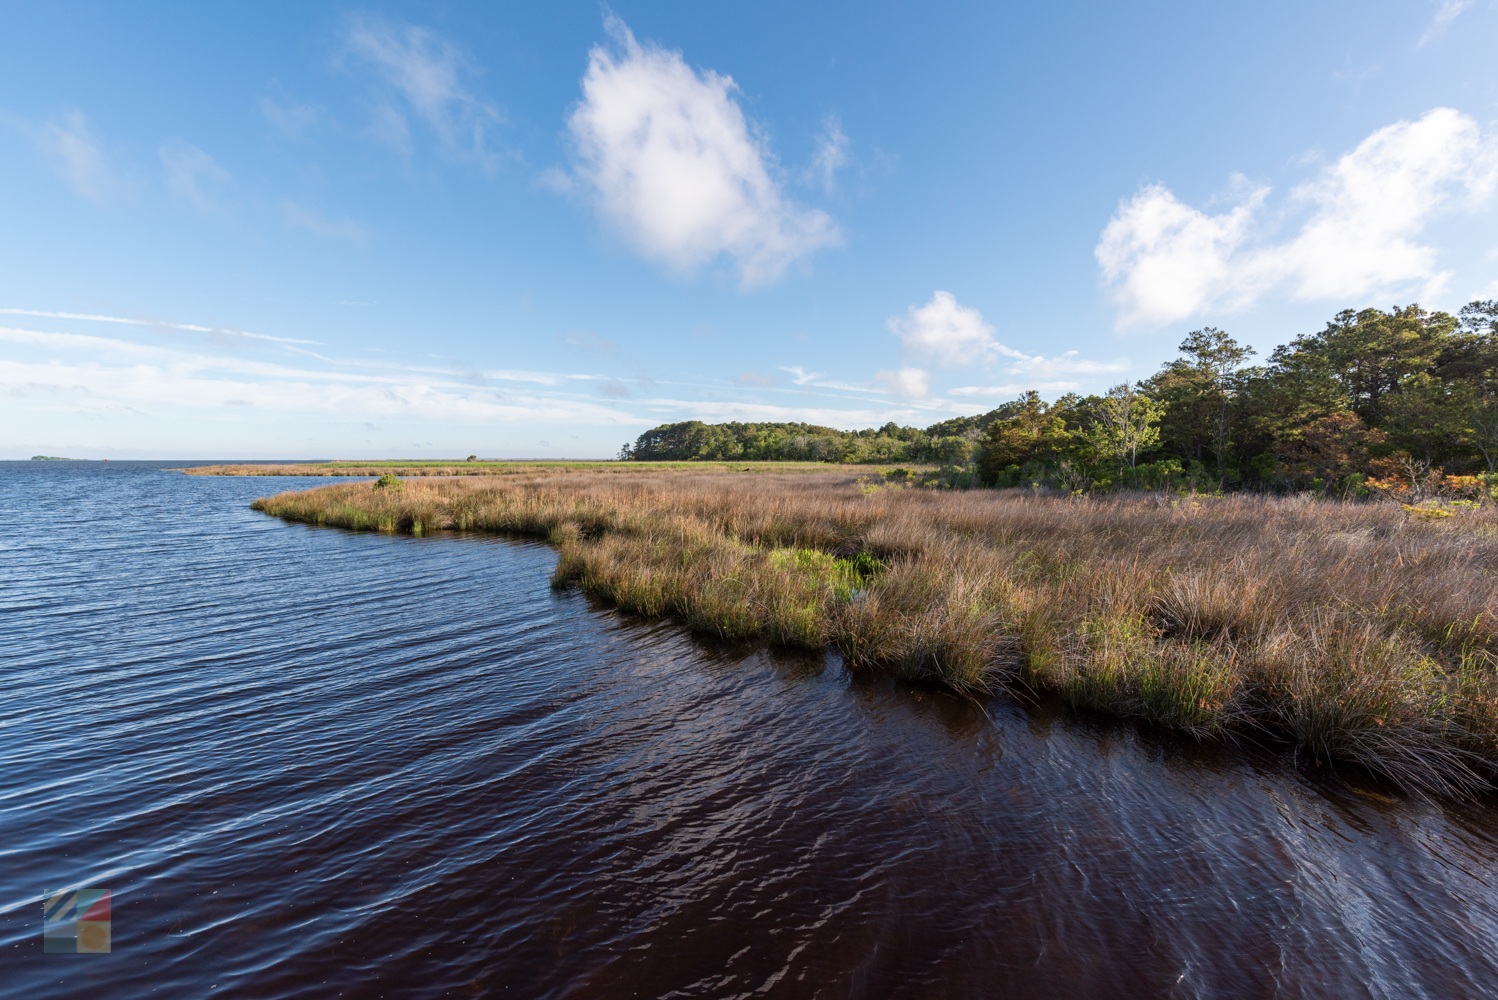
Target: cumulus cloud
{"points": [[947, 333], [188, 171], [668, 159], [1164, 260], [425, 74], [1450, 11], [912, 382], [952, 335]]}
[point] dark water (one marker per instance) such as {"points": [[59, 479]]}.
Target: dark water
{"points": [[313, 764]]}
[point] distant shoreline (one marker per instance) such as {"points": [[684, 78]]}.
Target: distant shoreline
{"points": [[440, 469]]}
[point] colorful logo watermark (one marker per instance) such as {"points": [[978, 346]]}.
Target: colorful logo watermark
{"points": [[76, 922]]}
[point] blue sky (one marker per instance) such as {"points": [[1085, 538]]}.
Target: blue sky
{"points": [[315, 230]]}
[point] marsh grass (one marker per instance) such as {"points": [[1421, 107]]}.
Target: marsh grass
{"points": [[1358, 631]]}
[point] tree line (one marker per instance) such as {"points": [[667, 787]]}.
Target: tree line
{"points": [[1375, 400]]}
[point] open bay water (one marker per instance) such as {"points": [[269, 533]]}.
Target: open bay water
{"points": [[312, 763]]}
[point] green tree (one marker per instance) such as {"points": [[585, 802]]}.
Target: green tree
{"points": [[1199, 392], [1368, 354], [1482, 418], [1028, 430], [1128, 422], [1428, 418]]}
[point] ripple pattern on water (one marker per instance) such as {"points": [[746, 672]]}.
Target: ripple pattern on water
{"points": [[311, 763]]}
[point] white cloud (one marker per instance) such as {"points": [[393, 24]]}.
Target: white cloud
{"points": [[832, 154], [186, 396], [911, 382], [78, 156], [709, 410], [188, 169], [947, 333], [79, 373], [667, 157], [1013, 389], [1164, 260], [1066, 364], [954, 335], [314, 222], [156, 323], [427, 73], [1450, 11], [800, 376]]}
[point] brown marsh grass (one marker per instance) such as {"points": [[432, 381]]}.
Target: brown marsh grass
{"points": [[1356, 630]]}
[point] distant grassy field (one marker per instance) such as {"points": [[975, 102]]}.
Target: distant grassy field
{"points": [[485, 468], [1361, 631]]}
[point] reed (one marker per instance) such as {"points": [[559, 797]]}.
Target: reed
{"points": [[1357, 630]]}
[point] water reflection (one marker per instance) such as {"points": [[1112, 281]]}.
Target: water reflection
{"points": [[311, 762]]}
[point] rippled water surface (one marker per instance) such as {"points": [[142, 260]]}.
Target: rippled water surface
{"points": [[310, 763]]}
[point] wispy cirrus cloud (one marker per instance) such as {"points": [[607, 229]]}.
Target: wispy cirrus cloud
{"points": [[293, 120], [1011, 389], [116, 392], [668, 159], [157, 323], [50, 376], [831, 155], [78, 156], [426, 76], [86, 371], [851, 419], [1449, 11], [592, 342], [800, 376], [190, 172], [300, 217]]}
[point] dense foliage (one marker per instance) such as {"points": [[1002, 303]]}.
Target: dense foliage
{"points": [[1394, 400], [952, 442]]}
